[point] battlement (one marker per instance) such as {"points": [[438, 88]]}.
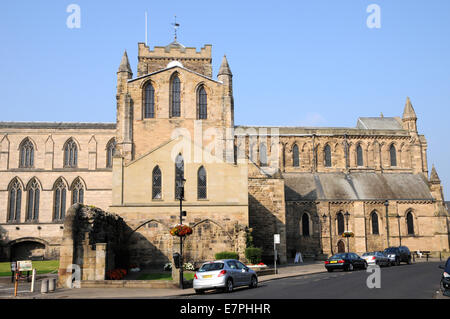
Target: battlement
{"points": [[157, 59]]}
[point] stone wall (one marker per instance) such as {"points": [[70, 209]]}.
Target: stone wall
{"points": [[95, 241], [267, 215]]}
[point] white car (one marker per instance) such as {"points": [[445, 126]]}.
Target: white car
{"points": [[224, 274], [376, 258]]}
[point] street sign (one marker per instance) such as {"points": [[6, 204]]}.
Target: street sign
{"points": [[24, 265], [276, 238], [13, 266]]}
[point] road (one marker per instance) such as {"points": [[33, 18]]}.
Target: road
{"points": [[416, 281]]}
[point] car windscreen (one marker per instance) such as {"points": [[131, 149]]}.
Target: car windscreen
{"points": [[368, 254], [211, 267], [390, 250], [339, 256]]}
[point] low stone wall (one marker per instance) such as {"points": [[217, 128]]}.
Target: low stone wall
{"points": [[129, 284]]}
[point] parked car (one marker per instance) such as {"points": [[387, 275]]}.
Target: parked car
{"points": [[398, 254], [345, 261], [376, 258], [445, 280], [224, 274]]}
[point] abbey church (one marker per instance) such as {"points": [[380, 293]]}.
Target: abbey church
{"points": [[175, 121]]}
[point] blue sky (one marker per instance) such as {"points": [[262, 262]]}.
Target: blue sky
{"points": [[294, 62]]}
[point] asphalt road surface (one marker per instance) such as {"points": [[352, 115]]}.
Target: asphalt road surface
{"points": [[420, 280]]}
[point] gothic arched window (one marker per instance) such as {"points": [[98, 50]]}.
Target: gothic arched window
{"points": [[295, 156], [327, 155], [15, 201], [26, 154], [375, 228], [59, 204], [175, 100], [359, 156], [156, 183], [410, 223], [110, 150], [179, 176], [340, 223], [70, 154], [33, 201], [201, 183], [263, 154], [305, 225], [202, 104], [149, 101], [393, 155], [77, 192]]}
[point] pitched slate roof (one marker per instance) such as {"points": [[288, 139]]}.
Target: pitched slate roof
{"points": [[379, 123], [355, 186]]}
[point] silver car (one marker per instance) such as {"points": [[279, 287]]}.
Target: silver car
{"points": [[224, 274], [376, 258]]}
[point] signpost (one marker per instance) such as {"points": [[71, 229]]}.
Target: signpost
{"points": [[20, 266], [276, 240]]}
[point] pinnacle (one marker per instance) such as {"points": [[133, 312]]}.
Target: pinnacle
{"points": [[125, 64], [434, 176], [409, 110], [224, 67]]}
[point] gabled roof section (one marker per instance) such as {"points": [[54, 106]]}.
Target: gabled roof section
{"points": [[379, 123], [170, 68]]}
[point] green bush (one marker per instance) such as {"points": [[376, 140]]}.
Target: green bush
{"points": [[253, 255], [227, 255]]}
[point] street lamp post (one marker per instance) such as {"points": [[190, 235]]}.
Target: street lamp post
{"points": [[181, 183], [386, 204], [399, 232], [347, 215]]}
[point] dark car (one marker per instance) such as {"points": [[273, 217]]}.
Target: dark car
{"points": [[345, 261], [398, 254]]}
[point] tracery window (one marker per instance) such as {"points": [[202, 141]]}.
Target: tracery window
{"points": [[15, 201], [295, 156], [77, 192], [70, 154], [202, 104], [201, 183], [149, 101], [33, 201], [156, 183], [26, 154], [59, 202], [175, 97], [327, 156]]}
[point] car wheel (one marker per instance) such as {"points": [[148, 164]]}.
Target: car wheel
{"points": [[409, 260], [254, 282], [229, 286], [397, 261], [349, 267], [199, 291], [365, 265]]}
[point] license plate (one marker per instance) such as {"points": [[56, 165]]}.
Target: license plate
{"points": [[207, 276], [333, 262]]}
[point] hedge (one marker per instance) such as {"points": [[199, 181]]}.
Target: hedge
{"points": [[253, 255], [227, 255]]}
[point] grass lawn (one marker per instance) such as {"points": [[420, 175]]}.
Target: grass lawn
{"points": [[165, 276], [42, 267]]}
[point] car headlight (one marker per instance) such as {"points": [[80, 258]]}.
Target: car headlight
{"points": [[446, 275]]}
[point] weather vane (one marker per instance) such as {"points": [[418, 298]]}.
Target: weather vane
{"points": [[176, 26]]}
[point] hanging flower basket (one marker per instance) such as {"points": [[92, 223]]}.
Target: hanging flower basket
{"points": [[181, 231], [347, 234]]}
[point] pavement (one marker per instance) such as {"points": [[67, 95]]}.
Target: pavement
{"points": [[284, 271], [7, 290]]}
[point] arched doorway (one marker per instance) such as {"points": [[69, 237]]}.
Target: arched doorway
{"points": [[27, 250], [341, 246]]}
